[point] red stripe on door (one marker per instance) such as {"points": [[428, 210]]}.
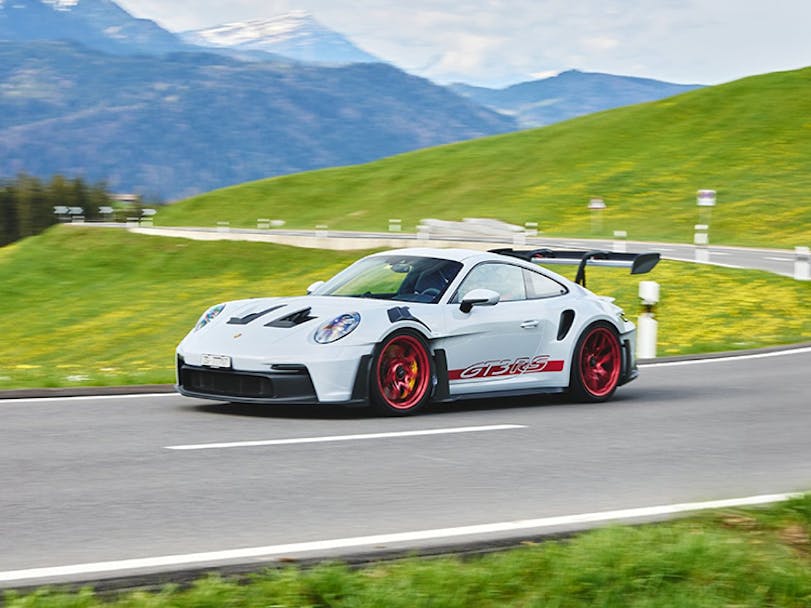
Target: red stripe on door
{"points": [[507, 368]]}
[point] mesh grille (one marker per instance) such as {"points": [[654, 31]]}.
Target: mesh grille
{"points": [[227, 384]]}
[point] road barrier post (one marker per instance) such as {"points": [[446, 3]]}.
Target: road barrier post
{"points": [[701, 239], [705, 199], [395, 225], [223, 226], [147, 217], [802, 264], [647, 325], [597, 206], [263, 224], [321, 231], [620, 237], [531, 229]]}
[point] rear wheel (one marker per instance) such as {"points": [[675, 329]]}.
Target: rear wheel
{"points": [[402, 371], [597, 363]]}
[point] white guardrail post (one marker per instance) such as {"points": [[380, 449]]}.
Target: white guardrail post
{"points": [[701, 239], [395, 225], [620, 237], [263, 223], [802, 264], [647, 326]]}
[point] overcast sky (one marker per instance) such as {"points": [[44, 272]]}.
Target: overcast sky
{"points": [[500, 42]]}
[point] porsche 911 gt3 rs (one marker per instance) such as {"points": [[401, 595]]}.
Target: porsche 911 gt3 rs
{"points": [[398, 329]]}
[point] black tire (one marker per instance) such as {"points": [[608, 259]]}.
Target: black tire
{"points": [[402, 375], [596, 364]]}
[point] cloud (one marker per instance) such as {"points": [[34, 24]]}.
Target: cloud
{"points": [[600, 43], [499, 42], [545, 74]]}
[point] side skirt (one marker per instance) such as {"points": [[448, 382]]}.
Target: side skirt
{"points": [[525, 392]]}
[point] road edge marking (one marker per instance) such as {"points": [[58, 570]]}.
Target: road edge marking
{"points": [[336, 438], [778, 353], [271, 551]]}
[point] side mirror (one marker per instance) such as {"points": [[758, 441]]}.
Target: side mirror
{"points": [[315, 286], [478, 297]]}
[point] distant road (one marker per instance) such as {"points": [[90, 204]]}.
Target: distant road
{"points": [[178, 483], [778, 261]]}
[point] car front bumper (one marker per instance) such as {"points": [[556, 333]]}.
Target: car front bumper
{"points": [[284, 384]]}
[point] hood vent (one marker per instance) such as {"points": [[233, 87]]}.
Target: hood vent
{"points": [[293, 319], [253, 316]]}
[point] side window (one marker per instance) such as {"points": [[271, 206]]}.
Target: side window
{"points": [[541, 286], [506, 279]]}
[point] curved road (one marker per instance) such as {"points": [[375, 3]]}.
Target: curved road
{"points": [[89, 480], [778, 261]]}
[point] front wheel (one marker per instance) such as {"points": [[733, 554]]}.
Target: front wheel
{"points": [[402, 372], [597, 364]]}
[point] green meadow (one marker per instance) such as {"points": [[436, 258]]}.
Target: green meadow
{"points": [[750, 140], [96, 306]]}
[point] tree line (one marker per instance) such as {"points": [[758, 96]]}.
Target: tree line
{"points": [[27, 204]]}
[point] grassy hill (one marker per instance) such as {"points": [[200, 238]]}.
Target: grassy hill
{"points": [[750, 140], [103, 306]]}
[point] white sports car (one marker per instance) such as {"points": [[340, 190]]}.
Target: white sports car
{"points": [[398, 329]]}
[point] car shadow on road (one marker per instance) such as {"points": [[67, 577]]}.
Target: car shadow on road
{"points": [[337, 412], [302, 411]]}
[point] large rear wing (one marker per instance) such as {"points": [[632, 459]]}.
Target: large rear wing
{"points": [[639, 263]]}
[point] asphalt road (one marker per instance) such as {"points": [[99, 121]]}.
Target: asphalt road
{"points": [[94, 479], [779, 261]]}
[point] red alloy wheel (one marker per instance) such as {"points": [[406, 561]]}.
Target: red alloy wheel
{"points": [[600, 362], [403, 372]]}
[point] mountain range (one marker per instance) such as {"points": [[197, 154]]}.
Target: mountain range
{"points": [[98, 24], [86, 89], [180, 124], [569, 94]]}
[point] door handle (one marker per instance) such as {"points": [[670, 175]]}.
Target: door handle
{"points": [[531, 324]]}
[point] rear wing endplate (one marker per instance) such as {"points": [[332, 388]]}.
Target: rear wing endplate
{"points": [[639, 263]]}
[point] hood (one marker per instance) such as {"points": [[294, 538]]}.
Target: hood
{"points": [[250, 326]]}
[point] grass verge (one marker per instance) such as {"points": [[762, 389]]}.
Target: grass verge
{"points": [[740, 558], [91, 306]]}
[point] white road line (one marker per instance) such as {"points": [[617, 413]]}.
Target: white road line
{"points": [[780, 353], [328, 439], [779, 259], [87, 398], [270, 551]]}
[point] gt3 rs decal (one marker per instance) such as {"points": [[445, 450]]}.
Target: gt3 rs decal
{"points": [[507, 368]]}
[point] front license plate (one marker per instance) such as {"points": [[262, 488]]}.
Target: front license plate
{"points": [[216, 360]]}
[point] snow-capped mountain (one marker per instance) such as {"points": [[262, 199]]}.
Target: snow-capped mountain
{"points": [[296, 35], [97, 24]]}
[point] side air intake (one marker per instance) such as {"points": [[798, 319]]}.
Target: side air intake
{"points": [[566, 321]]}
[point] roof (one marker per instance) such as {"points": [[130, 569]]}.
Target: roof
{"points": [[457, 255]]}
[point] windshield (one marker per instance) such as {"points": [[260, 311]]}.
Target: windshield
{"points": [[405, 278]]}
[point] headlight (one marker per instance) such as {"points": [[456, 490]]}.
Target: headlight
{"points": [[209, 316], [337, 328]]}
